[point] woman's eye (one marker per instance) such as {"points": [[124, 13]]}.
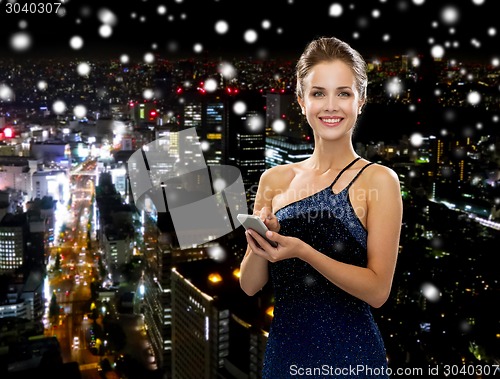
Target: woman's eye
{"points": [[317, 94], [344, 94]]}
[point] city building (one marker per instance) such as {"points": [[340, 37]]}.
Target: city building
{"points": [[217, 331]]}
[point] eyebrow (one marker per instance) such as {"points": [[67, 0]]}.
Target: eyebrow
{"points": [[338, 88]]}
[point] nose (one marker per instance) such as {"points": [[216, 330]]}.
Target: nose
{"points": [[331, 103]]}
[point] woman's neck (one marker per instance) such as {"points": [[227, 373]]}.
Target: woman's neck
{"points": [[331, 156]]}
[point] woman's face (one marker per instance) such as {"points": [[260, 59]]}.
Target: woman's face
{"points": [[331, 101]]}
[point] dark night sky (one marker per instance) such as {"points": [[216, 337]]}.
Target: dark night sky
{"points": [[282, 27]]}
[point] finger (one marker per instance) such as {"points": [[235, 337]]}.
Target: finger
{"points": [[266, 214], [273, 236], [251, 240], [261, 241], [272, 223], [254, 246]]}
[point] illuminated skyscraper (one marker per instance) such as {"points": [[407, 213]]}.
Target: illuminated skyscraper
{"points": [[13, 238], [246, 131], [200, 330], [207, 113], [217, 330], [281, 150]]}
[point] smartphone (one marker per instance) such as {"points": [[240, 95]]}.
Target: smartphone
{"points": [[255, 223]]}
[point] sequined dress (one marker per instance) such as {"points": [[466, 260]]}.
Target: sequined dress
{"points": [[319, 330]]}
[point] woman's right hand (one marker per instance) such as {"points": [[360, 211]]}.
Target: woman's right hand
{"points": [[268, 217]]}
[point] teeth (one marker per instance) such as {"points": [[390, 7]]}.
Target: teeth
{"points": [[331, 120]]}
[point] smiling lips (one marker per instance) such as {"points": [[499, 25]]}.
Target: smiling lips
{"points": [[331, 120]]}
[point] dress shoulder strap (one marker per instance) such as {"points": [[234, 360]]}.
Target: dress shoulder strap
{"points": [[343, 170], [359, 173]]}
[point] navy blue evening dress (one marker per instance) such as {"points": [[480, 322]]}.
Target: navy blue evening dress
{"points": [[319, 330]]}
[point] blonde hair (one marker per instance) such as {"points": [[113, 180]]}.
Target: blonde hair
{"points": [[326, 49]]}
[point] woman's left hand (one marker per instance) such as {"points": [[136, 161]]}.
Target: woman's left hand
{"points": [[288, 247]]}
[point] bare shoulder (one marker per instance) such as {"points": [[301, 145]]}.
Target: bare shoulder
{"points": [[378, 173], [277, 177], [383, 178], [273, 182]]}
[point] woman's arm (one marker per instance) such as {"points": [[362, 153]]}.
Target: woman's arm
{"points": [[371, 284], [254, 269]]}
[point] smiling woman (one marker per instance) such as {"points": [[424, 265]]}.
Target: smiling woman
{"points": [[336, 219]]}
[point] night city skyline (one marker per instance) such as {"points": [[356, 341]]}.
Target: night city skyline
{"points": [[124, 290]]}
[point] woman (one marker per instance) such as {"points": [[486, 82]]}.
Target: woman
{"points": [[337, 219]]}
